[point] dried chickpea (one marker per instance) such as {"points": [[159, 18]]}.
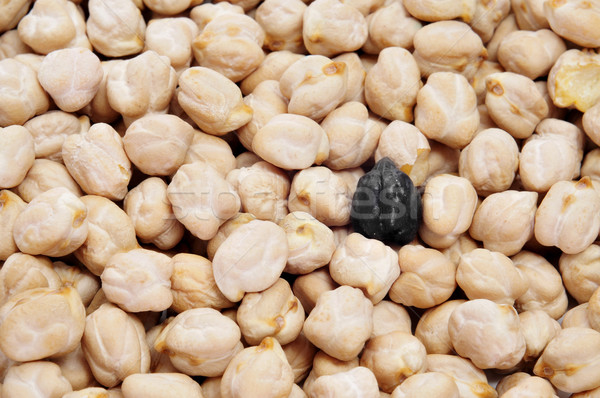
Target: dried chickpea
{"points": [[407, 147], [478, 83], [212, 150], [168, 7], [581, 272], [212, 101], [446, 109], [355, 89], [487, 16], [430, 384], [300, 354], [500, 344], [570, 365], [111, 231], [159, 361], [258, 371], [390, 317], [12, 45], [12, 12], [463, 245], [99, 109], [476, 165], [250, 259], [390, 26], [21, 272], [204, 13], [271, 68], [576, 317], [449, 204], [508, 25], [321, 193], [530, 14], [161, 385], [75, 369], [587, 14], [331, 27], [392, 84], [522, 384], [115, 28], [570, 81], [546, 291], [593, 310], [17, 155], [432, 328], [324, 365], [308, 288], [448, 46], [438, 10], [35, 379], [114, 345], [591, 124], [569, 216], [471, 381], [282, 22], [442, 160], [354, 383], [211, 387], [225, 230], [44, 175], [172, 37], [92, 392], [538, 328], [11, 205]]}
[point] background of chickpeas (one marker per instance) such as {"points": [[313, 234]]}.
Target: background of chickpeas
{"points": [[176, 180]]}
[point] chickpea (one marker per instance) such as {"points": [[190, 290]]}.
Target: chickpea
{"points": [[308, 288], [340, 323], [431, 384], [471, 381], [39, 378], [354, 383], [390, 26], [593, 310], [99, 109], [478, 83], [168, 7], [75, 369], [82, 280], [325, 365], [487, 16], [212, 150], [12, 12], [115, 28], [390, 317], [204, 13], [172, 37], [17, 155], [508, 25], [442, 160], [560, 16], [463, 244], [93, 392], [300, 354], [587, 394], [568, 364], [271, 68], [522, 384], [581, 272], [44, 175], [530, 14], [225, 230], [21, 272], [159, 361], [11, 205], [432, 328], [211, 387], [546, 291], [160, 385], [282, 23], [577, 317], [392, 84], [438, 10], [11, 45], [539, 329]]}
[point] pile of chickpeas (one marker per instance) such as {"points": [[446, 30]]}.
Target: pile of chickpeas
{"points": [[177, 180]]}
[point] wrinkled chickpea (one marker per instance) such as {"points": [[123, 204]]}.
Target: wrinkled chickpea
{"points": [[390, 26], [522, 384], [212, 150], [354, 383], [300, 354], [431, 384], [172, 37], [282, 23], [432, 328], [35, 379], [163, 385], [21, 272], [44, 175], [17, 155], [11, 205], [470, 380], [308, 288], [75, 369]]}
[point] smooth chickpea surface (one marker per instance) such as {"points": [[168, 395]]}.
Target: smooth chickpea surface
{"points": [[16, 156], [11, 205]]}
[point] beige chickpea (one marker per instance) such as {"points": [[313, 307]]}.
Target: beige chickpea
{"points": [[160, 385], [366, 264], [44, 175], [487, 16], [546, 291], [17, 155], [522, 384], [407, 147], [157, 143], [225, 230], [442, 160], [432, 328], [274, 312], [212, 150], [593, 310], [200, 341], [12, 12], [159, 361], [449, 204], [282, 23], [531, 54], [504, 221], [331, 27], [11, 205], [99, 109], [353, 135], [12, 45], [41, 322], [138, 280], [340, 323], [393, 357], [54, 224], [514, 103], [591, 123], [230, 44], [308, 288], [172, 37], [354, 383], [202, 89], [438, 10], [201, 198], [300, 354], [258, 371], [485, 121], [93, 392], [211, 387], [355, 88], [530, 14], [115, 28], [568, 216], [390, 317], [463, 244], [486, 274], [21, 96], [82, 280], [250, 259], [476, 165], [204, 13], [50, 129], [111, 231], [429, 384], [478, 83], [508, 25], [570, 81], [577, 317], [500, 344], [168, 7], [569, 365], [432, 44], [390, 26], [562, 14], [427, 277], [75, 369], [324, 365], [310, 243], [392, 84], [538, 328], [114, 345], [446, 109], [21, 272], [581, 272], [35, 379], [350, 177], [271, 68], [470, 380]]}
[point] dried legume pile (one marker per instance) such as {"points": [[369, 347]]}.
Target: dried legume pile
{"points": [[296, 198]]}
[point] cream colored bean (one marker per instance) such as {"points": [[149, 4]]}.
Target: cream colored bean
{"points": [[282, 22], [568, 216], [168, 7], [355, 89], [591, 123], [93, 392], [44, 175], [463, 245], [500, 344], [21, 272], [162, 385], [569, 365], [438, 10], [251, 259], [114, 345], [581, 272], [12, 12], [225, 230], [449, 204], [448, 46], [530, 14], [324, 365], [12, 45], [17, 155], [331, 27], [593, 310], [310, 243], [75, 369], [35, 379], [172, 37], [308, 288], [354, 383], [508, 25], [587, 14], [407, 147], [115, 28], [99, 109], [11, 205], [475, 162], [82, 280], [487, 16], [522, 384], [570, 81], [204, 13], [351, 177], [431, 384], [442, 160], [271, 68], [432, 328], [353, 135], [471, 381], [478, 82], [546, 291], [390, 26], [111, 231], [300, 354], [392, 84], [577, 317], [538, 328], [390, 317], [159, 361], [212, 150], [54, 224]]}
